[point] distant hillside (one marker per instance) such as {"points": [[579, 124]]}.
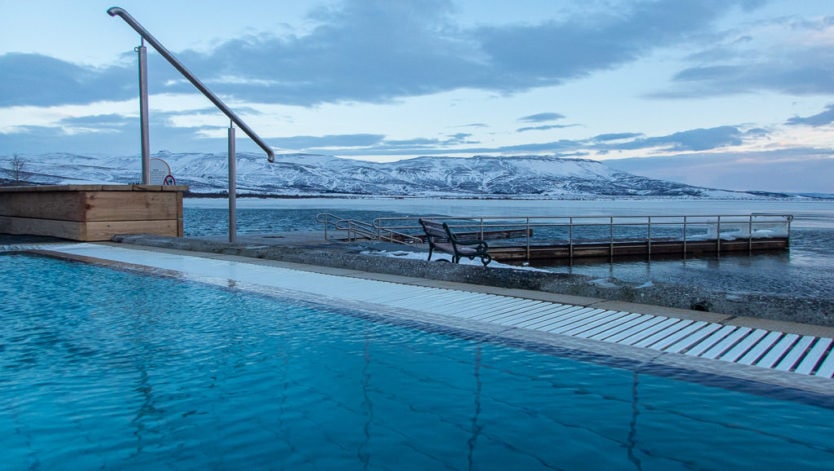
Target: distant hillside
{"points": [[316, 175]]}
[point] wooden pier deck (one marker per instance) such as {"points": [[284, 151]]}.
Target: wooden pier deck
{"points": [[543, 240], [628, 250]]}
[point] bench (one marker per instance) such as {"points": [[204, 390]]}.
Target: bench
{"points": [[441, 238]]}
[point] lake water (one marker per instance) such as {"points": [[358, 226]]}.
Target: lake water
{"points": [[804, 271]]}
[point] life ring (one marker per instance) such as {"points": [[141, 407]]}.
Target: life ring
{"points": [[169, 180]]}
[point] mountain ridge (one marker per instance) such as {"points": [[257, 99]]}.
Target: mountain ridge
{"points": [[323, 175]]}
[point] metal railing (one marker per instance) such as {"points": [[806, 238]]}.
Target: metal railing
{"points": [[577, 230], [354, 230], [143, 104]]}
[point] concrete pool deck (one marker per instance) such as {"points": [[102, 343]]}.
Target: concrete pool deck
{"points": [[786, 355]]}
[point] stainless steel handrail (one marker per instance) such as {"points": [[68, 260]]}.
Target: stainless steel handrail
{"points": [[143, 100], [114, 11]]}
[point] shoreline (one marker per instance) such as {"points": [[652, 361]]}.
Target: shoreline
{"points": [[310, 248]]}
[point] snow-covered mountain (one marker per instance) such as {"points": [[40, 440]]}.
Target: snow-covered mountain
{"points": [[303, 174]]}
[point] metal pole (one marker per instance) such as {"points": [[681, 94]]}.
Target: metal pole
{"points": [[718, 236], [114, 11], [611, 239], [143, 112], [232, 185], [570, 239]]}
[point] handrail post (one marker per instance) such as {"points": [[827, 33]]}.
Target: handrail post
{"points": [[611, 239], [718, 236], [143, 92], [570, 239], [142, 52], [232, 186]]}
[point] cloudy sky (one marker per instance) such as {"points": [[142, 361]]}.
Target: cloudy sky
{"points": [[737, 94]]}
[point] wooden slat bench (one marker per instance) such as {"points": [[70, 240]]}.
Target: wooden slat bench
{"points": [[441, 238]]}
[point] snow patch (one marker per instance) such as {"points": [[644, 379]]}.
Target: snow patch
{"points": [[603, 283], [322, 175], [444, 257]]}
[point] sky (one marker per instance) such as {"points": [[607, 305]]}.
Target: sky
{"points": [[734, 94]]}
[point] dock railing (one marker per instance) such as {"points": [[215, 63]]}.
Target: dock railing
{"points": [[354, 230], [574, 231]]}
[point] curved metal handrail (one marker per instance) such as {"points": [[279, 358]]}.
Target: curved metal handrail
{"points": [[117, 11]]}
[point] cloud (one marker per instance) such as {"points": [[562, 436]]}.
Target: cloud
{"points": [[422, 142], [616, 136], [542, 117], [33, 79], [784, 55], [691, 140], [98, 123], [819, 119], [118, 135], [553, 52], [460, 144], [41, 139], [545, 127], [460, 138], [371, 51], [378, 51], [808, 76], [339, 140], [795, 170]]}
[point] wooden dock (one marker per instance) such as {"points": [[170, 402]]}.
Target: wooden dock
{"points": [[548, 240], [548, 254]]}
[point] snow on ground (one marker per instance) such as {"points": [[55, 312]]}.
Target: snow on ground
{"points": [[444, 257]]}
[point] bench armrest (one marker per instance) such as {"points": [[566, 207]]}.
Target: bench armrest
{"points": [[479, 243]]}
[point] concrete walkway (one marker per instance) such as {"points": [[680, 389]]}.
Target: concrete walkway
{"points": [[780, 354]]}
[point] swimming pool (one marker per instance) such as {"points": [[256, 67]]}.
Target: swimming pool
{"points": [[109, 368]]}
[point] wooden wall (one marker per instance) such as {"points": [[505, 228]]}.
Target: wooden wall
{"points": [[92, 212]]}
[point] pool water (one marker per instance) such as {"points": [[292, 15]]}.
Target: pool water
{"points": [[102, 368]]}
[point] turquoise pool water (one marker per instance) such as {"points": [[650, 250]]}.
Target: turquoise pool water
{"points": [[102, 368]]}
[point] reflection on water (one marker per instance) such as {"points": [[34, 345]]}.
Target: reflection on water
{"points": [[112, 370], [803, 271]]}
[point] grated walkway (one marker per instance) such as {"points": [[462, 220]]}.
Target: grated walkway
{"points": [[807, 355]]}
